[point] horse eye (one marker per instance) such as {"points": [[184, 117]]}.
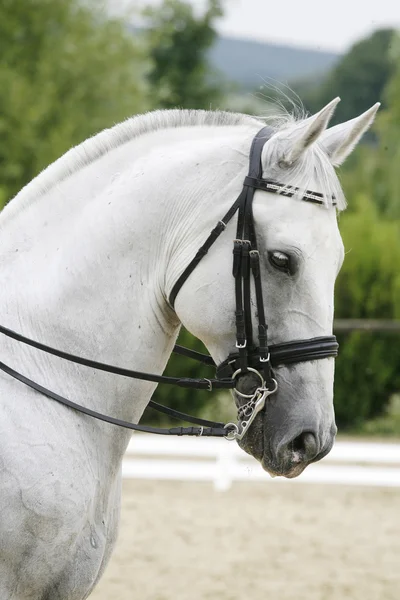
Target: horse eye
{"points": [[280, 261]]}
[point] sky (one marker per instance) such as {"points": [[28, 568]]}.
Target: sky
{"points": [[319, 24]]}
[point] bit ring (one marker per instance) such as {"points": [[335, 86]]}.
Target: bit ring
{"points": [[236, 373]]}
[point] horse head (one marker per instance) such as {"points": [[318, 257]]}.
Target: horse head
{"points": [[300, 253]]}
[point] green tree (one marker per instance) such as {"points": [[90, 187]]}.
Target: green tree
{"points": [[368, 366], [374, 169], [359, 78], [389, 132], [67, 71], [178, 40], [368, 286]]}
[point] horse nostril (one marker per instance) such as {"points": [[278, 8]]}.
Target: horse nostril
{"points": [[304, 447]]}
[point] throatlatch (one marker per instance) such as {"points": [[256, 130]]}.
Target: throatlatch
{"points": [[258, 359]]}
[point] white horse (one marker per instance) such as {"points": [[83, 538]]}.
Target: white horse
{"points": [[89, 252]]}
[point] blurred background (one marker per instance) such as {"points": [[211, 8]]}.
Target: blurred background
{"points": [[68, 69], [73, 67]]}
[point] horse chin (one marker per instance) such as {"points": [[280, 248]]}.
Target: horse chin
{"points": [[254, 443], [289, 473]]}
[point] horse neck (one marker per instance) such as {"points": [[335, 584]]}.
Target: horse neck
{"points": [[88, 265]]}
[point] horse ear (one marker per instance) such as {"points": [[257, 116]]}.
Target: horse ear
{"points": [[306, 133], [339, 141]]}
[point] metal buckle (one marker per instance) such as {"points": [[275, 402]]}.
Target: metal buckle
{"points": [[240, 241], [209, 389], [241, 345], [265, 360]]}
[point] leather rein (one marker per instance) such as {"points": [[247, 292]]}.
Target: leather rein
{"points": [[248, 357]]}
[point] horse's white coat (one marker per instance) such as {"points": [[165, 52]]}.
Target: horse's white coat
{"points": [[87, 258]]}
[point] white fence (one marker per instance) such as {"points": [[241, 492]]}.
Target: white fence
{"points": [[223, 462]]}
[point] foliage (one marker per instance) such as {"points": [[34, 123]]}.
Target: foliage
{"points": [[368, 369], [367, 374], [67, 72], [178, 40], [359, 78], [375, 169], [368, 284], [386, 425]]}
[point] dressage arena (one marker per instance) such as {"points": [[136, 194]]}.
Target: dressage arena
{"points": [[258, 540]]}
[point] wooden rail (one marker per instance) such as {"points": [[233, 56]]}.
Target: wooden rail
{"points": [[222, 463], [375, 325]]}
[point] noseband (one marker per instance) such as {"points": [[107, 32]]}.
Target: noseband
{"points": [[249, 357]]}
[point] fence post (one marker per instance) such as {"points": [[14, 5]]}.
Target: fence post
{"points": [[225, 462]]}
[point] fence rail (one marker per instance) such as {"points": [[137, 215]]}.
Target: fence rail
{"points": [[222, 463], [376, 325]]}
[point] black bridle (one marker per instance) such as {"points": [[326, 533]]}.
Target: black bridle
{"points": [[249, 357]]}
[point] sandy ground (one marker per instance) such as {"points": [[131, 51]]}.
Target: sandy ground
{"points": [[181, 541]]}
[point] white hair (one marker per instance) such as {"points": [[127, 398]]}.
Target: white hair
{"points": [[314, 163]]}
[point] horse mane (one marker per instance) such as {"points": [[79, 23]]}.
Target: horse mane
{"points": [[101, 143]]}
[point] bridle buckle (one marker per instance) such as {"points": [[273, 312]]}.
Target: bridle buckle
{"points": [[265, 360], [209, 389], [239, 345]]}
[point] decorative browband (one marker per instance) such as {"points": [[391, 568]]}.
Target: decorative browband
{"points": [[269, 185]]}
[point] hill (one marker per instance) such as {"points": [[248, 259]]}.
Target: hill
{"points": [[247, 62]]}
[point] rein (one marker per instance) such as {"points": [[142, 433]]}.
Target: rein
{"points": [[258, 360]]}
